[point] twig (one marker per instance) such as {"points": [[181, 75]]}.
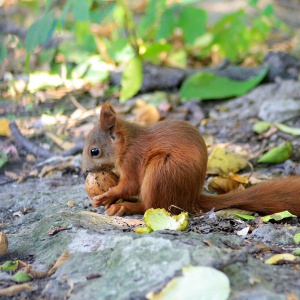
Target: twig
{"points": [[76, 103], [22, 141]]}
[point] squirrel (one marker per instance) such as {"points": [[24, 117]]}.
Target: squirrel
{"points": [[164, 165]]}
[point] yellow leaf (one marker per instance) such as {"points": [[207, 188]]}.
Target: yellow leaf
{"points": [[281, 258], [222, 162], [4, 127], [196, 283], [222, 185]]}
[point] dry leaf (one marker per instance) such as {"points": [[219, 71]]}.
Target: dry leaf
{"points": [[243, 231], [279, 259], [4, 127], [223, 162], [3, 243], [231, 212], [146, 114], [35, 274], [239, 178], [57, 229], [59, 262], [65, 145], [70, 203], [16, 289], [12, 175], [222, 185]]}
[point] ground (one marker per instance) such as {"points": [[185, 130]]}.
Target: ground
{"points": [[110, 261]]}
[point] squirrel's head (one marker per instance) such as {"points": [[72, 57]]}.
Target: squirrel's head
{"points": [[99, 151]]}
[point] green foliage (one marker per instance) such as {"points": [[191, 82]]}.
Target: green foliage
{"points": [[277, 155], [132, 78], [3, 158], [39, 32], [233, 36], [207, 86]]}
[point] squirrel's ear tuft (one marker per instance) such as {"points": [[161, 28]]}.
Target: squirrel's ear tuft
{"points": [[107, 118]]}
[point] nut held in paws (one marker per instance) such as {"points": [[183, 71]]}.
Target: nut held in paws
{"points": [[99, 182]]}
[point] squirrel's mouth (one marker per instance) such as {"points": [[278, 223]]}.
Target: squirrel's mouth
{"points": [[105, 168]]}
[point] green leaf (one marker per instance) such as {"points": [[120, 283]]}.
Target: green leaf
{"points": [[288, 129], [96, 73], [297, 238], [132, 78], [154, 50], [277, 155], [22, 277], [80, 10], [268, 10], [3, 50], [278, 216], [3, 158], [206, 86], [39, 32], [167, 26], [199, 283], [82, 29], [261, 127], [244, 217], [192, 20], [143, 230], [297, 252], [155, 9], [160, 219], [120, 50], [10, 265]]}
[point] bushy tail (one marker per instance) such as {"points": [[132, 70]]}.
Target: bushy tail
{"points": [[266, 198]]}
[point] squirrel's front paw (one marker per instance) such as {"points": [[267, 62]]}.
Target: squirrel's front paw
{"points": [[102, 200]]}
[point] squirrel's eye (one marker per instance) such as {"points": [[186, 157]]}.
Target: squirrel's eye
{"points": [[95, 151]]}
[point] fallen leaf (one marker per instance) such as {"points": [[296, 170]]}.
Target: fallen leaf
{"points": [[261, 127], [147, 114], [278, 216], [3, 243], [3, 158], [288, 129], [297, 238], [70, 203], [21, 277], [4, 127], [66, 255], [223, 162], [10, 266], [15, 290], [297, 252], [232, 212], [243, 231], [57, 229], [160, 219], [143, 230], [196, 283], [281, 258], [277, 155], [222, 185], [244, 217], [239, 178]]}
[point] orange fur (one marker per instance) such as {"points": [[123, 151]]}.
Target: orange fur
{"points": [[165, 165]]}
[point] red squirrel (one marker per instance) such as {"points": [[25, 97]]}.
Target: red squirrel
{"points": [[165, 165]]}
